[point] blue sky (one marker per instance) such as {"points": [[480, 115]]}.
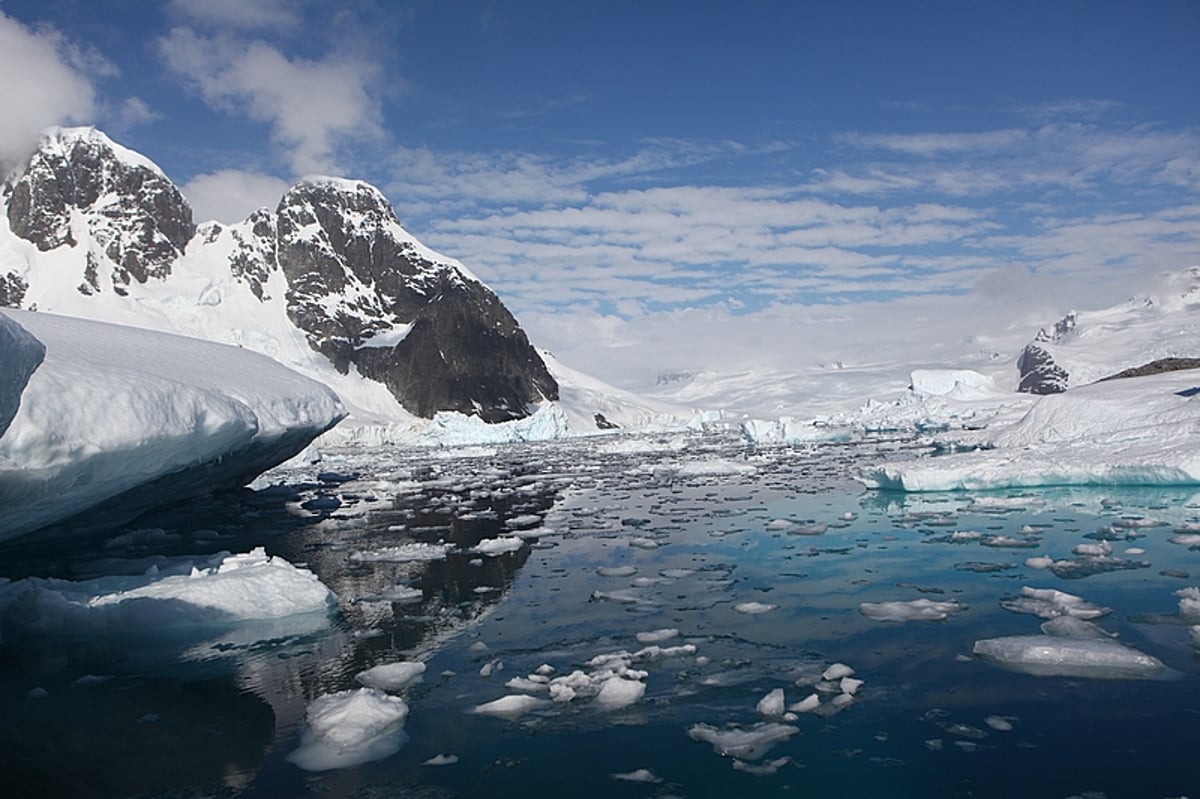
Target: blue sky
{"points": [[707, 183]]}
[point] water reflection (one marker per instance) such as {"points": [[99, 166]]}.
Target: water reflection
{"points": [[109, 714]]}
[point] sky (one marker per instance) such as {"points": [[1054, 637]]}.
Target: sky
{"points": [[666, 186]]}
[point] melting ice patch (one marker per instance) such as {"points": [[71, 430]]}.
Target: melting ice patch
{"points": [[916, 610], [748, 743], [349, 728]]}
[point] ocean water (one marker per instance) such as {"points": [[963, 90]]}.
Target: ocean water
{"points": [[763, 562]]}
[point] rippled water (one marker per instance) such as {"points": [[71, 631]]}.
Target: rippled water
{"points": [[683, 534]]}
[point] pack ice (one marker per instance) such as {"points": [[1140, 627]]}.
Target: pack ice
{"points": [[146, 417]]}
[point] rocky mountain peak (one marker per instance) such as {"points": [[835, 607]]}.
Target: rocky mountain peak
{"points": [[79, 188], [330, 266]]}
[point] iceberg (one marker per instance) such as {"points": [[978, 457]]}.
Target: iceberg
{"points": [[750, 743], [116, 420]]}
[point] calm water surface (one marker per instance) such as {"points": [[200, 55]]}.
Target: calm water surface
{"points": [[622, 539]]}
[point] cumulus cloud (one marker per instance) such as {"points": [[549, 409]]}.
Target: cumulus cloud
{"points": [[313, 107], [42, 83], [230, 195]]}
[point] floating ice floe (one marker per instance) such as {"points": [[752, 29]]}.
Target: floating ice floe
{"points": [[441, 760], [493, 547], [509, 707], [657, 636], [1189, 603], [413, 552], [220, 590], [350, 728], [753, 608], [773, 704], [915, 610], [715, 467], [749, 743], [391, 676], [1049, 603], [641, 775], [1050, 656]]}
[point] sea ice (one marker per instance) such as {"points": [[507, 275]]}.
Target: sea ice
{"points": [[350, 728], [806, 705], [1047, 656], [493, 547], [618, 692], [1189, 602], [403, 553], [753, 608], [772, 705], [641, 775], [219, 590], [750, 743], [391, 676], [836, 672], [915, 610], [509, 707], [657, 636], [1049, 603], [441, 760]]}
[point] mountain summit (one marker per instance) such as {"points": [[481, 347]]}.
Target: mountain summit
{"points": [[329, 282]]}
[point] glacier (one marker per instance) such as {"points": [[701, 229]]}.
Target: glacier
{"points": [[129, 418]]}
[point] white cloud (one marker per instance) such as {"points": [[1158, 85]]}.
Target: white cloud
{"points": [[41, 84], [231, 195], [133, 112], [239, 14], [313, 107]]}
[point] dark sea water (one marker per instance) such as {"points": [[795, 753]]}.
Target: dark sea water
{"points": [[620, 538]]}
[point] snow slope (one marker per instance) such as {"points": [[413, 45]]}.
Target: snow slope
{"points": [[115, 411], [1133, 431]]}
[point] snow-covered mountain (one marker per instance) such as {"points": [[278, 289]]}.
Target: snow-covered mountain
{"points": [[328, 283], [1154, 332]]}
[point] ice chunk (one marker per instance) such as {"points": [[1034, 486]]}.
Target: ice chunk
{"points": [[1049, 603], [772, 705], [806, 705], [657, 636], [750, 743], [1071, 627], [616, 571], [403, 553], [836, 672], [350, 728], [762, 769], [641, 775], [1047, 656], [509, 707], [850, 685], [391, 676], [618, 692], [915, 610], [999, 723], [492, 547], [1189, 602], [441, 760], [753, 608]]}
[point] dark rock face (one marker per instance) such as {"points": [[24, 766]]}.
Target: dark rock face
{"points": [[137, 216], [1158, 367], [354, 275], [1039, 373]]}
